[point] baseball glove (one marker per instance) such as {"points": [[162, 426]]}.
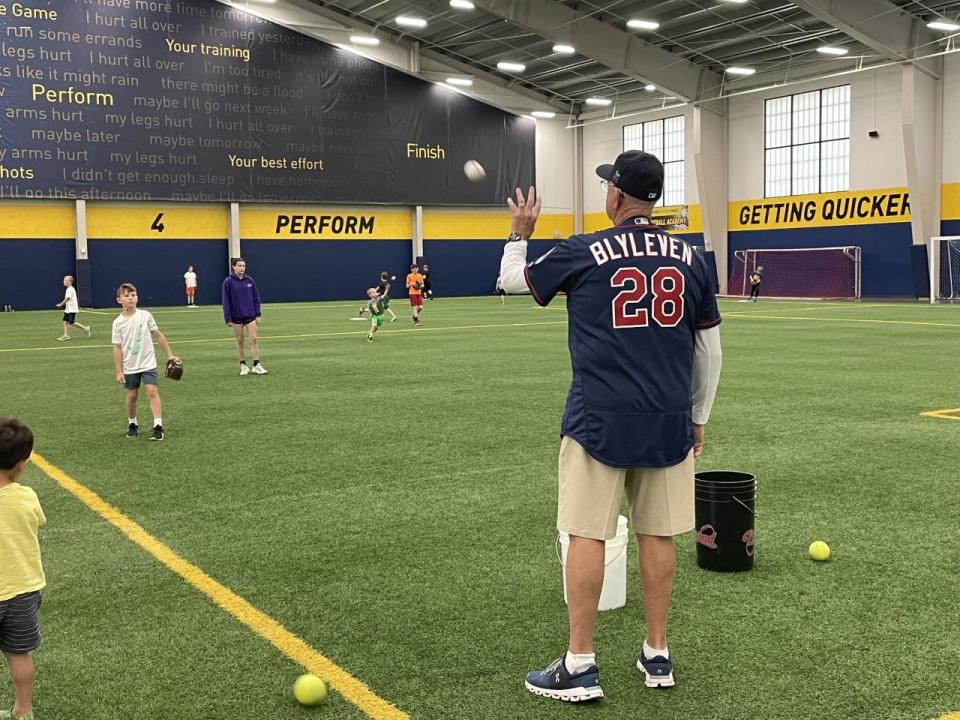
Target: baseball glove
{"points": [[174, 369], [418, 285]]}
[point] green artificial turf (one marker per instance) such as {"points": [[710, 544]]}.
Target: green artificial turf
{"points": [[393, 504]]}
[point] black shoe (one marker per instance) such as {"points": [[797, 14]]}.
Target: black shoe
{"points": [[133, 430], [157, 433]]}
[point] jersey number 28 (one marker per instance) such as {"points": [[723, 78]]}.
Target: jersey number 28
{"points": [[666, 284]]}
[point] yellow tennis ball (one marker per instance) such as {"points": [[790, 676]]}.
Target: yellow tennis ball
{"points": [[309, 690], [819, 550]]}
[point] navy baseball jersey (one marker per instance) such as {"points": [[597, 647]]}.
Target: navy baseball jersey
{"points": [[635, 298]]}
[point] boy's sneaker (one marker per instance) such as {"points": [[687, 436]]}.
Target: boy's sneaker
{"points": [[658, 670], [88, 330], [557, 683], [259, 369], [244, 370], [133, 430], [157, 433], [61, 338], [369, 338], [8, 715]]}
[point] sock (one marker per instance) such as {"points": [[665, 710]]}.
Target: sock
{"points": [[578, 663], [256, 362], [158, 421], [132, 421], [651, 653]]}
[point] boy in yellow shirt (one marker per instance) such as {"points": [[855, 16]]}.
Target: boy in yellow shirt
{"points": [[21, 573]]}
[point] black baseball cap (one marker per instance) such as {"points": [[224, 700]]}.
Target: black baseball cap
{"points": [[636, 173]]}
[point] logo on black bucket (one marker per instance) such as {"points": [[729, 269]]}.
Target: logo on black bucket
{"points": [[748, 542], [707, 536]]}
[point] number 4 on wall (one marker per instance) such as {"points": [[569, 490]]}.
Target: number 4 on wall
{"points": [[157, 225], [667, 307]]}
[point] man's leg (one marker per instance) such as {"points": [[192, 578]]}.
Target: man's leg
{"points": [[22, 675], [584, 574], [657, 564]]}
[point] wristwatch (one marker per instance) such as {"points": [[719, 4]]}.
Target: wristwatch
{"points": [[513, 237]]}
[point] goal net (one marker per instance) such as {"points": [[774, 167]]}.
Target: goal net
{"points": [[944, 255], [832, 272]]}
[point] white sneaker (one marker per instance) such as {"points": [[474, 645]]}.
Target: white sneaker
{"points": [[89, 330], [259, 369], [244, 370]]}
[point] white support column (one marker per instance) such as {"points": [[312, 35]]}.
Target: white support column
{"points": [[578, 180], [922, 151], [710, 158], [417, 233], [80, 241], [233, 236]]}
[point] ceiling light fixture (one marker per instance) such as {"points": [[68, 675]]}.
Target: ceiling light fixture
{"points": [[734, 70], [941, 24], [461, 4], [408, 21], [460, 82], [649, 88], [832, 51], [642, 24], [599, 102], [364, 40], [735, 2], [564, 49], [543, 114], [511, 66]]}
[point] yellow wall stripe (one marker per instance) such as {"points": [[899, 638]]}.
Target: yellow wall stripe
{"points": [[137, 221], [950, 201], [863, 207], [594, 222], [264, 626], [52, 219], [312, 222], [442, 224]]}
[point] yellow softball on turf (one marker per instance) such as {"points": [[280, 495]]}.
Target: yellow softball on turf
{"points": [[309, 690], [819, 550]]}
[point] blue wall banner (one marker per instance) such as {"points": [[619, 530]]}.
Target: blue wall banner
{"points": [[199, 101]]}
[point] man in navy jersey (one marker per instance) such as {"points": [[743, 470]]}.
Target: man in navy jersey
{"points": [[645, 353]]}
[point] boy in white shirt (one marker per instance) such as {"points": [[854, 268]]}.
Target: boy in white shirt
{"points": [[135, 360], [70, 307], [190, 278]]}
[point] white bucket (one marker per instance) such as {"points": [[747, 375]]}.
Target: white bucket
{"points": [[614, 593]]}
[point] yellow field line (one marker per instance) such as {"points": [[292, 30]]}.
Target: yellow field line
{"points": [[177, 343], [830, 319], [266, 627], [943, 414]]}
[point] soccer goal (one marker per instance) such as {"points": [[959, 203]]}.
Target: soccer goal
{"points": [[832, 272], [943, 254]]}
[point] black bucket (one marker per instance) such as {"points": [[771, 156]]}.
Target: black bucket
{"points": [[724, 507]]}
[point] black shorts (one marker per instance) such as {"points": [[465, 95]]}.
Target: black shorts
{"points": [[20, 623], [70, 318], [244, 321]]}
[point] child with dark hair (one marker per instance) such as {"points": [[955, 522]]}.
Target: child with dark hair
{"points": [[21, 572]]}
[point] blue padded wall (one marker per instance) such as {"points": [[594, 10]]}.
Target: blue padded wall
{"points": [[156, 267], [311, 270], [886, 268], [31, 272]]}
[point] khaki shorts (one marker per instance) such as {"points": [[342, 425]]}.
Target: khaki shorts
{"points": [[660, 499]]}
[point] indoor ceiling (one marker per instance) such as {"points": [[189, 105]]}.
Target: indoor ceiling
{"points": [[685, 58]]}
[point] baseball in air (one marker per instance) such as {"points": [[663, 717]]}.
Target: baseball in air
{"points": [[474, 171]]}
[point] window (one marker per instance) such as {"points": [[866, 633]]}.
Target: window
{"points": [[807, 143], [663, 138]]}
